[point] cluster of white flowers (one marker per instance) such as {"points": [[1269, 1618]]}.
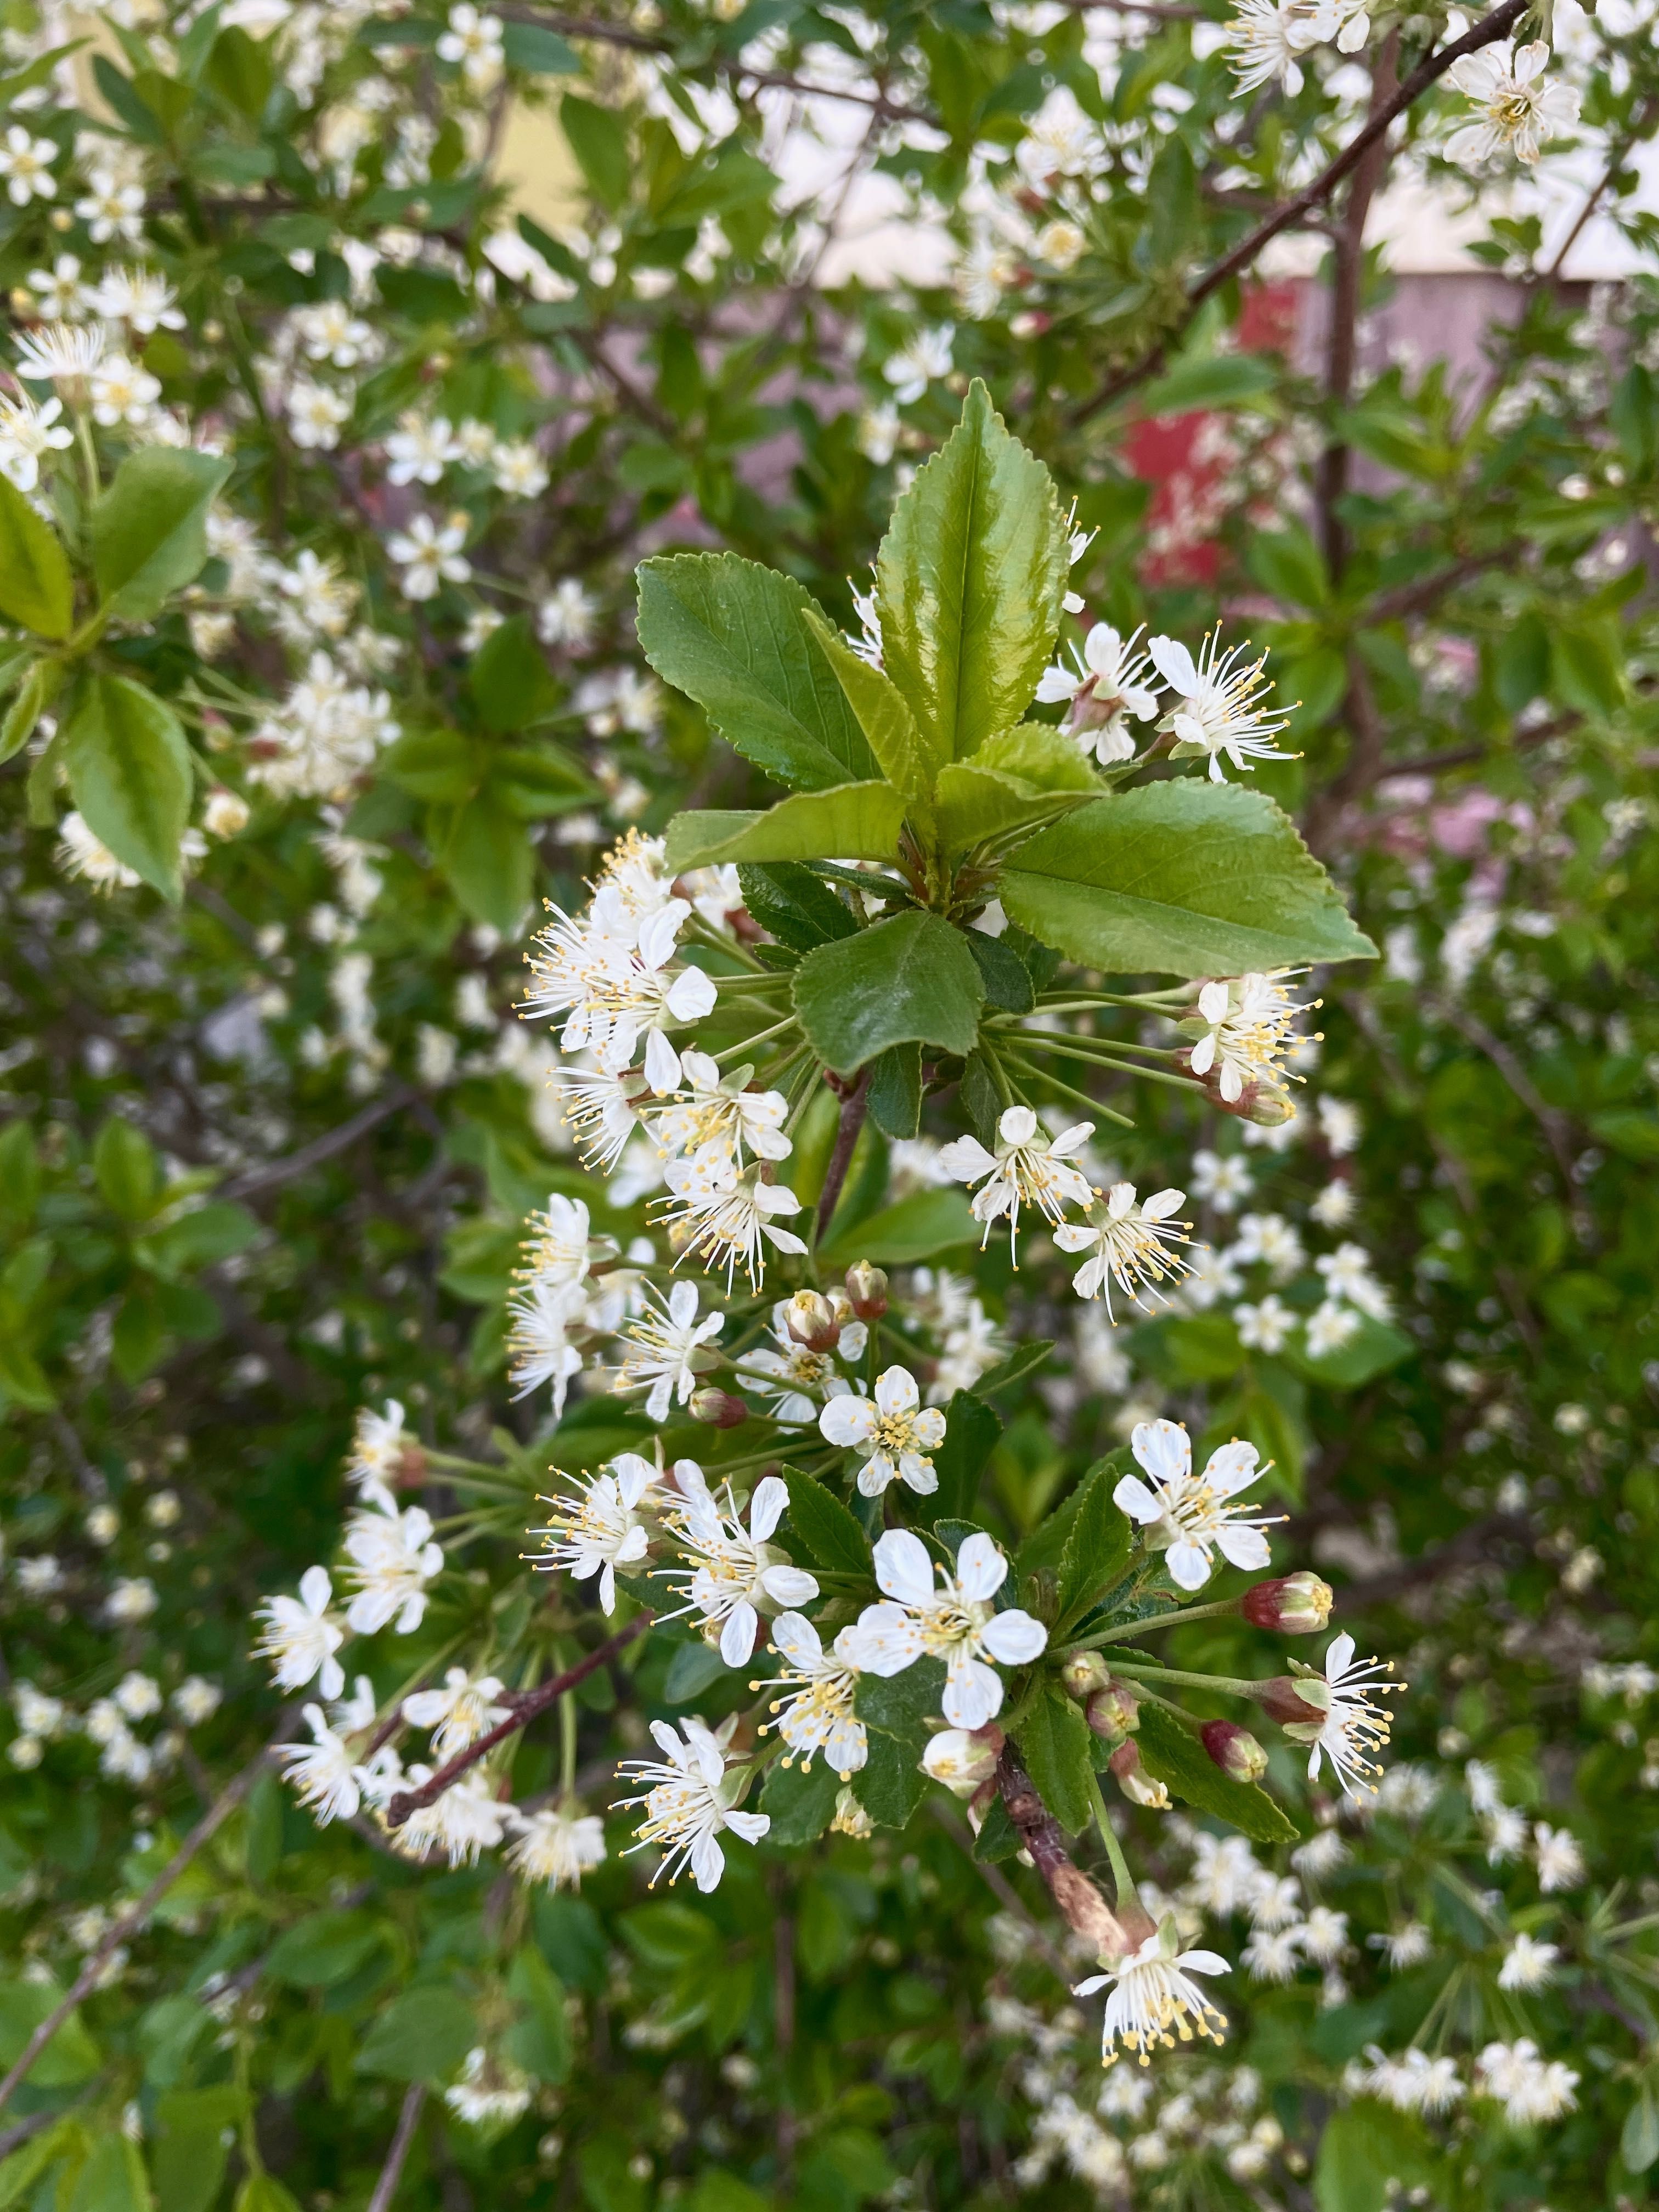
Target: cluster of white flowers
{"points": [[110, 1722]]}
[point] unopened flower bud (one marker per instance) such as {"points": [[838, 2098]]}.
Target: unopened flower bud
{"points": [[1233, 1750], [1295, 1605], [811, 1320], [866, 1286], [851, 1819], [225, 815], [1113, 1712], [1281, 1698], [410, 1469], [963, 1759], [718, 1407], [1134, 1782], [1085, 1672], [1266, 1108]]}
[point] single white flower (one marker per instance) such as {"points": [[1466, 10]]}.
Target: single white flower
{"points": [[598, 1527], [1132, 1244], [893, 1433], [112, 208], [462, 1822], [541, 1314], [393, 1558], [473, 42], [419, 450], [722, 1111], [1217, 708], [491, 2091], [961, 1760], [1528, 1964], [1152, 1993], [690, 1800], [665, 1354], [1267, 1326], [300, 1638], [79, 852], [317, 415], [923, 359], [323, 1771], [1243, 1029], [28, 432], [1348, 1277], [1190, 1515], [954, 1621], [430, 555], [1353, 1725], [567, 615], [123, 392], [1516, 110], [725, 1215], [1029, 1168], [140, 298], [818, 1716], [1559, 1860], [601, 1108], [796, 1378], [556, 1846], [1329, 1328], [26, 165], [734, 1569], [60, 353], [458, 1713], [1532, 2090], [1111, 681]]}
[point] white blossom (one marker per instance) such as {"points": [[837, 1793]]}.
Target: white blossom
{"points": [[300, 1638], [1029, 1168], [690, 1801], [557, 1846], [817, 1714], [734, 1569], [1219, 707], [1152, 1993], [954, 1621], [392, 1559], [892, 1432], [599, 1525], [1190, 1515], [1516, 109], [1131, 1244]]}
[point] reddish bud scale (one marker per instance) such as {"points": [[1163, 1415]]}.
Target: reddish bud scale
{"points": [[1233, 1750], [1292, 1605], [1281, 1699]]}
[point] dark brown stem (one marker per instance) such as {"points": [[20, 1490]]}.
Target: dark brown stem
{"points": [[1502, 19], [526, 1705], [392, 2172], [853, 1104], [322, 1148], [1080, 1902]]}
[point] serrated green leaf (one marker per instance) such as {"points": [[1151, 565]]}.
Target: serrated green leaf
{"points": [[797, 907], [36, 588], [889, 1785], [904, 1704], [971, 1431], [800, 1801], [998, 1837], [923, 1226], [828, 1533], [1007, 978], [150, 529], [1187, 878], [130, 773], [852, 822], [1097, 1547], [885, 720], [510, 681], [969, 582], [908, 980], [1056, 1744], [895, 1096], [1174, 1757], [729, 633]]}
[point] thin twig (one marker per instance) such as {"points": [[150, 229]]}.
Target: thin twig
{"points": [[322, 1148], [853, 1104], [1638, 125], [1502, 19], [527, 1705], [1554, 1124], [392, 2172], [128, 1922]]}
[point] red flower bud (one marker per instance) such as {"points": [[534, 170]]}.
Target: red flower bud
{"points": [[811, 1320], [719, 1408], [1113, 1712], [866, 1286], [1281, 1698], [1294, 1605], [1233, 1750]]}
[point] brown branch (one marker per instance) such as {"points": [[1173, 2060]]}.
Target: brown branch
{"points": [[1417, 598], [322, 1148], [1469, 1548], [1081, 1905], [1462, 756], [1554, 1124], [1639, 124], [1502, 19], [526, 1706], [853, 1104], [392, 2172], [127, 1924]]}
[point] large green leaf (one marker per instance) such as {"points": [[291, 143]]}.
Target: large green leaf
{"points": [[908, 979], [884, 717], [128, 770], [853, 822], [828, 1533], [968, 583], [1057, 1745], [422, 2036], [921, 1226], [71, 2055], [1022, 776], [800, 1802], [798, 908], [1096, 1549], [36, 588], [1176, 1759], [1368, 2155], [150, 529], [729, 633], [1188, 877], [484, 850]]}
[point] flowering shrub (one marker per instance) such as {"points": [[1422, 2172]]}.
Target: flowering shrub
{"points": [[856, 1372]]}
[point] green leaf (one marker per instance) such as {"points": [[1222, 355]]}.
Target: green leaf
{"points": [[599, 142], [128, 1172], [1375, 1347], [263, 2192], [798, 908], [1021, 776], [971, 1431], [851, 822], [36, 588], [1638, 2139], [729, 633], [113, 2178], [969, 582], [150, 529], [1369, 2155], [1287, 563], [827, 1532], [1057, 1745], [895, 1096], [422, 2036], [19, 2172], [1007, 978], [904, 1705], [34, 695], [70, 2058], [1098, 1548], [1188, 877], [539, 2040], [211, 1233], [190, 2148], [889, 1784], [800, 1801], [23, 1378], [923, 1226], [20, 1177], [485, 853], [439, 765], [909, 978], [323, 1949], [130, 773], [882, 715], [998, 1837], [1176, 1759], [533, 47], [1045, 758], [510, 681]]}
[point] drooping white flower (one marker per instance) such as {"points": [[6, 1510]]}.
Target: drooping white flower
{"points": [[961, 1760], [664, 1356], [1242, 1027], [1219, 707], [378, 1442], [1112, 680], [611, 976], [323, 1771], [893, 1433], [1190, 1514], [1029, 1168], [141, 298], [1131, 1245], [60, 353], [954, 1621], [462, 1822], [300, 1638], [556, 1846], [734, 1569], [1354, 1725], [1528, 1964], [603, 1108], [690, 1800], [1516, 110], [458, 1713], [80, 853], [1408, 1945], [541, 1315], [817, 1714], [725, 1215], [1273, 1954], [1153, 1993], [598, 1527], [1559, 1860], [491, 2092], [393, 1558]]}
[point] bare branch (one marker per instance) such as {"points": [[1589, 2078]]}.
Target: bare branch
{"points": [[392, 2172], [322, 1148], [1080, 1902]]}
